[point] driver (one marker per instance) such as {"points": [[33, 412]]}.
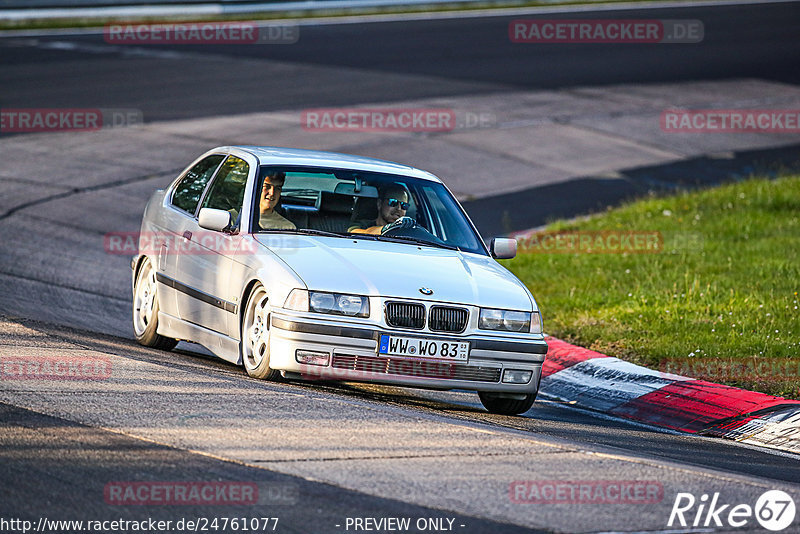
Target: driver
{"points": [[268, 218], [392, 206]]}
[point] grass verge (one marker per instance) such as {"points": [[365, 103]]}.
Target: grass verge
{"points": [[717, 301]]}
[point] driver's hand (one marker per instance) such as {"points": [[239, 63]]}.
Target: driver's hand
{"points": [[402, 222]]}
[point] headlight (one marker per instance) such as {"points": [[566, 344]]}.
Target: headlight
{"points": [[322, 302], [352, 304], [508, 320], [336, 303], [491, 319]]}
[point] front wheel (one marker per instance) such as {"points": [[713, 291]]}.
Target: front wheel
{"points": [[255, 336], [504, 405], [145, 310]]}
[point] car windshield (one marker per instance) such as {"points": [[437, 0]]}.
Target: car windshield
{"points": [[359, 204]]}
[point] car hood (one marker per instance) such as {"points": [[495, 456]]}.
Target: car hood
{"points": [[398, 270]]}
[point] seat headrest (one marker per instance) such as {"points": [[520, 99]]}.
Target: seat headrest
{"points": [[335, 203]]}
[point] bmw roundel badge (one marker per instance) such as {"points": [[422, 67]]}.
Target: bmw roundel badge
{"points": [[426, 291]]}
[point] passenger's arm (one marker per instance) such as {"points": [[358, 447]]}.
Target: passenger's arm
{"points": [[375, 230]]}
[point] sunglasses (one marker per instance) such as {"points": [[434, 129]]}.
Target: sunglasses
{"points": [[393, 202]]}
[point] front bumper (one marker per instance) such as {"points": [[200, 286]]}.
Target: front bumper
{"points": [[353, 356]]}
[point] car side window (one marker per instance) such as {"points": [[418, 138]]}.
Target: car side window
{"points": [[227, 190], [190, 188]]}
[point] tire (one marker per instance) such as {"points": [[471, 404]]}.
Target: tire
{"points": [[254, 329], [504, 405], [145, 310]]}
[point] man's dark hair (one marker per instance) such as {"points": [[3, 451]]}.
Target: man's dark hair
{"points": [[279, 176], [385, 191]]}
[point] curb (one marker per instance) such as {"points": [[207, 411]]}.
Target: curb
{"points": [[598, 382]]}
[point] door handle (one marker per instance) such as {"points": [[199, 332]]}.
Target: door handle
{"points": [[187, 235]]}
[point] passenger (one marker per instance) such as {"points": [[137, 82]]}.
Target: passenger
{"points": [[392, 205], [270, 196]]}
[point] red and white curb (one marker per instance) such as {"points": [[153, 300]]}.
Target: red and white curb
{"points": [[594, 381]]}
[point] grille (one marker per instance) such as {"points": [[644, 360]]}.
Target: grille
{"points": [[444, 319], [425, 369], [405, 315]]}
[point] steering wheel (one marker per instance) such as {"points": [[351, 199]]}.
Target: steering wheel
{"points": [[417, 232], [402, 230]]}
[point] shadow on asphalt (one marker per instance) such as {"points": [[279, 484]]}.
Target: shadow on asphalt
{"points": [[530, 208], [68, 471], [547, 419]]}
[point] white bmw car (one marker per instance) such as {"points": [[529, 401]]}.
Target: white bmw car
{"points": [[315, 265]]}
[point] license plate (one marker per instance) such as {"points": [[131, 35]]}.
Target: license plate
{"points": [[416, 347]]}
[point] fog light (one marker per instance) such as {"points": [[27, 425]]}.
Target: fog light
{"points": [[511, 376], [311, 357]]}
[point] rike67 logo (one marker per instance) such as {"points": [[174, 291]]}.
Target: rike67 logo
{"points": [[774, 510]]}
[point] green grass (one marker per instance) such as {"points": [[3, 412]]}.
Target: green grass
{"points": [[720, 302]]}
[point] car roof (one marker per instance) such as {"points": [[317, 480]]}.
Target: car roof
{"points": [[270, 155]]}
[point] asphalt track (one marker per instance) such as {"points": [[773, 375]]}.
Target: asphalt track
{"points": [[322, 453], [390, 61], [342, 451]]}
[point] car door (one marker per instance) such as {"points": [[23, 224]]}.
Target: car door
{"points": [[179, 210], [209, 294]]}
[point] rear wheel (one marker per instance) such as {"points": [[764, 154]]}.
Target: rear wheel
{"points": [[505, 404], [255, 336], [145, 310]]}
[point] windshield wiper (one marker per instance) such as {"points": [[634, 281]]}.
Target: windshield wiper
{"points": [[417, 241], [304, 231], [393, 239], [371, 237]]}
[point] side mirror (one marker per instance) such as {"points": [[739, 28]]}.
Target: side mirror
{"points": [[503, 248], [211, 219]]}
